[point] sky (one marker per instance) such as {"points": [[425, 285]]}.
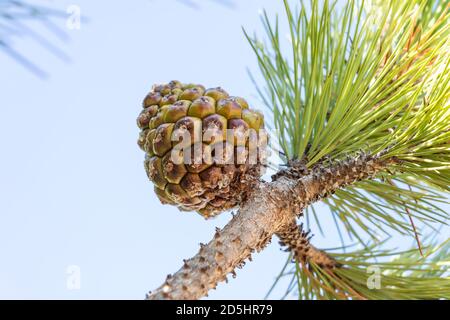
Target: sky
{"points": [[78, 217]]}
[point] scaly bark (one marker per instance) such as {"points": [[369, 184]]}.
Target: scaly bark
{"points": [[298, 242], [270, 209]]}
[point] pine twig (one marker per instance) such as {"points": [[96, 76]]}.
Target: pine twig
{"points": [[298, 242]]}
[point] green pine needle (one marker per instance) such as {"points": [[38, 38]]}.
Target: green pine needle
{"points": [[374, 76], [374, 273], [371, 77]]}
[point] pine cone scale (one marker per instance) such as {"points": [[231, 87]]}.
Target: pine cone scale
{"points": [[191, 157]]}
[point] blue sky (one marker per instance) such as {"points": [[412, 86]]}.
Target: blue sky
{"points": [[73, 190]]}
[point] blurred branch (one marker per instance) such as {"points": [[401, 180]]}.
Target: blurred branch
{"points": [[15, 17]]}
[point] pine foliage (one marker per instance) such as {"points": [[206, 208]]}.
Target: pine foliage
{"points": [[373, 76]]}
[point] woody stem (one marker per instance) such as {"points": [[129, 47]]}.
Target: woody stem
{"points": [[270, 209]]}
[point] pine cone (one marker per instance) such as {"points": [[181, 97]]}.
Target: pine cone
{"points": [[194, 162]]}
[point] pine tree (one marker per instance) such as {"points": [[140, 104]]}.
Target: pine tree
{"points": [[359, 103]]}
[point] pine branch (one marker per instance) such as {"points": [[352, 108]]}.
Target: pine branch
{"points": [[375, 75], [376, 273], [270, 209], [298, 242], [14, 19]]}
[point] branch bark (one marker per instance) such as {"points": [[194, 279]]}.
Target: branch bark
{"points": [[298, 242], [270, 209]]}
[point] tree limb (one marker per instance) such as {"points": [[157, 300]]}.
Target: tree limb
{"points": [[269, 209]]}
